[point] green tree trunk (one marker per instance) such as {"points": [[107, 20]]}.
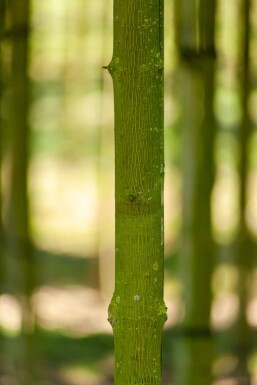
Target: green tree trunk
{"points": [[2, 24], [244, 258], [18, 210], [198, 181], [20, 261], [2, 251], [137, 311], [196, 46]]}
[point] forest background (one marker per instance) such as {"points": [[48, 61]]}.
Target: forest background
{"points": [[56, 286]]}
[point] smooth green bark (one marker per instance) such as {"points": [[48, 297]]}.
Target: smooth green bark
{"points": [[2, 11], [196, 257], [197, 164], [18, 208], [196, 24], [198, 161], [2, 24], [137, 311], [244, 257], [20, 262], [195, 28]]}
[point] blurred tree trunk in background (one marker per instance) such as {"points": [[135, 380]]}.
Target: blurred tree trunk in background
{"points": [[20, 263], [2, 256], [2, 25], [137, 311], [244, 256], [18, 208], [195, 25]]}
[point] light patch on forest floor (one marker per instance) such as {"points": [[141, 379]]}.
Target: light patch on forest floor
{"points": [[10, 314], [74, 310], [64, 206], [80, 376], [226, 381]]}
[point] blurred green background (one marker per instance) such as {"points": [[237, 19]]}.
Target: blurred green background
{"points": [[57, 196]]}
